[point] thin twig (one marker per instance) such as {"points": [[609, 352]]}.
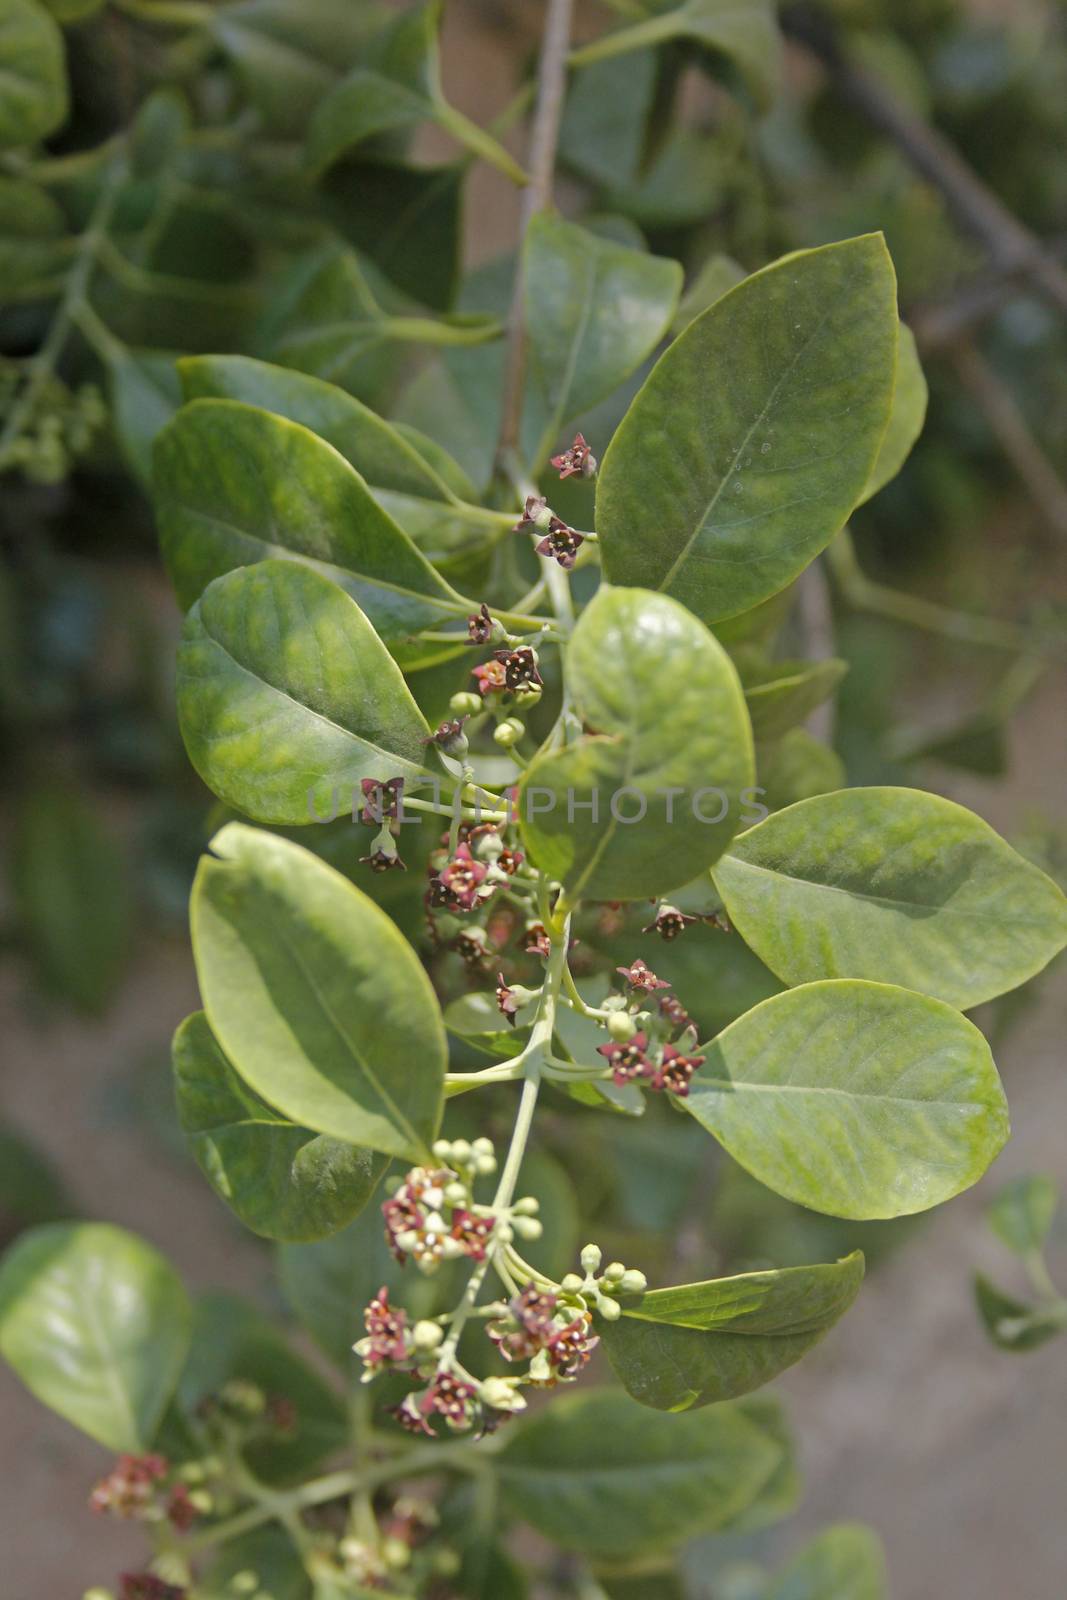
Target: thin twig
{"points": [[1012, 431], [1011, 246], [816, 616], [541, 162]]}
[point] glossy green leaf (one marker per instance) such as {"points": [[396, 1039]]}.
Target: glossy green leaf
{"points": [[232, 1341], [594, 311], [718, 275], [845, 1562], [407, 220], [745, 31], [32, 235], [33, 74], [397, 84], [906, 419], [283, 1181], [1021, 1214], [318, 1001], [96, 1324], [145, 394], [597, 1474], [1015, 1324], [675, 1349], [780, 694], [287, 698], [603, 133], [664, 711], [857, 1099], [235, 485], [893, 885], [756, 432]]}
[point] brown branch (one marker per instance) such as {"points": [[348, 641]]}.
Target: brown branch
{"points": [[540, 164], [1012, 432], [1012, 247]]}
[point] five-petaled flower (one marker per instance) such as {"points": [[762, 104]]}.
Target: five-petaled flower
{"points": [[669, 922], [462, 878], [674, 1071], [480, 626], [537, 941], [382, 859], [131, 1487], [535, 514], [519, 666], [447, 1396], [578, 459], [641, 978], [627, 1061], [561, 542], [571, 1348], [381, 799], [449, 737], [491, 677]]}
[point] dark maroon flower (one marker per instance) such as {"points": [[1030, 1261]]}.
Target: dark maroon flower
{"points": [[510, 861], [472, 1233], [462, 877], [387, 1343], [505, 1000], [470, 946], [561, 543], [669, 922], [131, 1486], [181, 1512], [491, 677], [480, 626], [571, 1348], [381, 800], [641, 978], [520, 667], [529, 1325], [447, 1396], [537, 941], [383, 860], [410, 1417], [535, 514], [449, 736], [674, 1071], [408, 1210], [146, 1586], [672, 1009], [627, 1061], [578, 459]]}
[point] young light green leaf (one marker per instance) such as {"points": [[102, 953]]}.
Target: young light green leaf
{"points": [[845, 1562], [654, 789], [745, 31], [599, 1475], [235, 485], [594, 311], [906, 419], [318, 1001], [676, 1349], [894, 885], [780, 694], [283, 1181], [34, 74], [396, 84], [287, 698], [755, 433], [96, 1324], [857, 1099], [1014, 1324], [1021, 1214]]}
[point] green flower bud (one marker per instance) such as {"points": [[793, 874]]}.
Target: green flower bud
{"points": [[613, 1271], [461, 1152], [456, 1194], [245, 1582], [396, 1554], [591, 1257], [528, 1206], [633, 1282], [610, 1310], [621, 1027], [502, 1394], [483, 1147], [509, 732], [528, 1227], [571, 1282], [528, 695], [442, 1149], [427, 1335], [465, 705]]}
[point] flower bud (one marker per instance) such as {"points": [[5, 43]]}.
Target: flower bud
{"points": [[528, 1227], [613, 1272], [456, 1194], [461, 1152], [621, 1026], [591, 1258], [426, 1335], [528, 1206], [571, 1282], [396, 1554], [245, 1582], [482, 1147], [528, 695], [502, 1394], [485, 1166], [442, 1149], [508, 732], [609, 1309], [465, 704], [633, 1282]]}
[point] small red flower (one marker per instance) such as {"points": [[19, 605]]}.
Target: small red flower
{"points": [[537, 941], [641, 978], [674, 1071], [571, 1348], [519, 667], [131, 1487], [470, 946], [669, 922], [529, 1325], [535, 514], [387, 1344], [505, 1000], [448, 1397], [181, 1513], [510, 861], [472, 1233], [627, 1061], [675, 1013], [480, 626], [562, 543], [381, 860], [462, 878], [491, 677], [380, 800], [578, 459]]}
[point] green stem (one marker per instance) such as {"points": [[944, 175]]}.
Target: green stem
{"points": [[641, 36]]}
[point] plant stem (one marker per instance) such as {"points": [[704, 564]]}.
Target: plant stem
{"points": [[541, 161]]}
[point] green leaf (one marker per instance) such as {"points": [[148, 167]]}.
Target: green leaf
{"points": [[328, 1284], [33, 74], [745, 31], [797, 768], [269, 1553], [605, 119], [676, 1349], [597, 1474], [231, 1340], [893, 885], [906, 419], [71, 897], [756, 432], [845, 1562], [407, 220], [780, 694], [31, 1188], [718, 275], [1013, 1324], [1021, 1214], [594, 310], [235, 485], [96, 1324], [397, 84], [287, 698], [66, 11], [857, 1099], [145, 395], [283, 1181], [665, 712], [318, 1001], [32, 235]]}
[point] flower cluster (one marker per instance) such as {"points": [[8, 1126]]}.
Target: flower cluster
{"points": [[559, 541], [557, 1339], [144, 1488], [643, 1047], [464, 884]]}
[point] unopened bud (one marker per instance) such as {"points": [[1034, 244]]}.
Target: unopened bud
{"points": [[621, 1026], [502, 1394], [633, 1282], [613, 1271], [442, 1149], [571, 1282], [246, 1582], [528, 1206], [426, 1335], [464, 704], [528, 695], [456, 1194], [509, 732], [591, 1257], [528, 1227], [396, 1554], [609, 1309], [461, 1152]]}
